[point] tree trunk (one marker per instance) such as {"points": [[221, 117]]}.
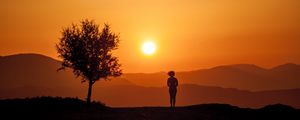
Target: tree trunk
{"points": [[88, 99]]}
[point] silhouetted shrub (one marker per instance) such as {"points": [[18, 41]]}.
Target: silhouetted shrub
{"points": [[50, 104]]}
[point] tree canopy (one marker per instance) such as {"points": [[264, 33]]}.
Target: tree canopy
{"points": [[88, 51]]}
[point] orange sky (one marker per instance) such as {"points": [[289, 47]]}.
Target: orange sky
{"points": [[189, 34]]}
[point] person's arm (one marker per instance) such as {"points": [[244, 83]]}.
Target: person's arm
{"points": [[176, 82], [168, 82]]}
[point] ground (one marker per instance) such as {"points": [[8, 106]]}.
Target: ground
{"points": [[73, 109]]}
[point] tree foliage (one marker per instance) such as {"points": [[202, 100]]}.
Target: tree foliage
{"points": [[88, 51]]}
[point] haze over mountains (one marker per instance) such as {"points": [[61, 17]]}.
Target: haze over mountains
{"points": [[240, 76], [27, 75]]}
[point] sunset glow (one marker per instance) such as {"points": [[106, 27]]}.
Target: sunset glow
{"points": [[189, 35], [148, 48], [150, 59]]}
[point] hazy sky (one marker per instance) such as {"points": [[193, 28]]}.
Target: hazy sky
{"points": [[189, 34]]}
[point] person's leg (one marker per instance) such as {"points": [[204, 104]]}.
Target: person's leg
{"points": [[174, 97], [173, 93], [171, 100]]}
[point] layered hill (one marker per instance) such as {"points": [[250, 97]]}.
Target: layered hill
{"points": [[29, 75], [240, 76]]}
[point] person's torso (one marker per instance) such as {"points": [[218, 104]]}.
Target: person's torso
{"points": [[172, 81]]}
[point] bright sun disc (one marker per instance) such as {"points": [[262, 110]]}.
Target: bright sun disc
{"points": [[148, 48]]}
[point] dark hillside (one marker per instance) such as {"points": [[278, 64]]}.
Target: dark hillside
{"points": [[57, 108]]}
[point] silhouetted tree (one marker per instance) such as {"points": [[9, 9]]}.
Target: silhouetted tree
{"points": [[88, 51]]}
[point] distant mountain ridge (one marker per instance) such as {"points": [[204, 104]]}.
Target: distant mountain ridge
{"points": [[29, 75], [241, 76]]}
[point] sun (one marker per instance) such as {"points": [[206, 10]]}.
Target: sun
{"points": [[148, 48]]}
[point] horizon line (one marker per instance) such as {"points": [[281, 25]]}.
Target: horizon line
{"points": [[204, 68]]}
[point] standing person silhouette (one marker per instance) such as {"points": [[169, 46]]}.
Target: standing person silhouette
{"points": [[172, 84]]}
